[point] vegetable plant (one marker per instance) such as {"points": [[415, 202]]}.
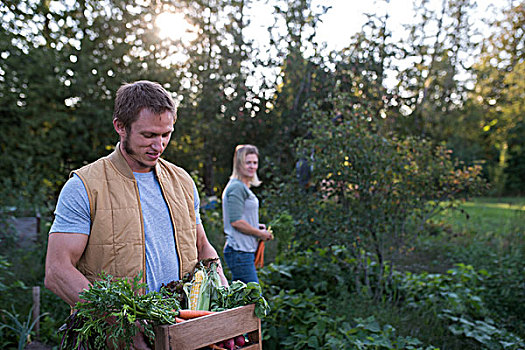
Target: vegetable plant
{"points": [[113, 311], [240, 294], [201, 289], [21, 329]]}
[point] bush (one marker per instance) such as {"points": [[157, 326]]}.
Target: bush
{"points": [[309, 294], [503, 260], [314, 300], [372, 193]]}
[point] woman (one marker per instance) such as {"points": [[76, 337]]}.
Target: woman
{"points": [[240, 208]]}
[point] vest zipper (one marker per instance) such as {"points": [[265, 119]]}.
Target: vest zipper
{"points": [[177, 248], [144, 279]]}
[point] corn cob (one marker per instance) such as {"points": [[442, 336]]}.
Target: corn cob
{"points": [[195, 289]]}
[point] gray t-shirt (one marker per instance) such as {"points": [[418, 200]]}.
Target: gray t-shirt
{"points": [[72, 215], [239, 203]]}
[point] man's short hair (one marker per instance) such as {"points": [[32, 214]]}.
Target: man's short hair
{"points": [[132, 98]]}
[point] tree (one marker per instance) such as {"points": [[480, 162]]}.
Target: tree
{"points": [[373, 193], [302, 75], [436, 49], [61, 65], [500, 91], [216, 103], [361, 72]]}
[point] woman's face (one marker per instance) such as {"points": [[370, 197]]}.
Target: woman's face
{"points": [[249, 168]]}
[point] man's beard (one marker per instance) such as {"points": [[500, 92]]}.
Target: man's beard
{"points": [[131, 152]]}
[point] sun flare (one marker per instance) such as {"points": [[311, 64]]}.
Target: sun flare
{"points": [[175, 27]]}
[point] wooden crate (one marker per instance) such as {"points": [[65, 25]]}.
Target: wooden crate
{"points": [[211, 329]]}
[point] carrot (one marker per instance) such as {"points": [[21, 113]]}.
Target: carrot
{"points": [[216, 347], [189, 314], [179, 320], [259, 255]]}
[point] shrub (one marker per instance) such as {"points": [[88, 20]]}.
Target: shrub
{"points": [[308, 294], [372, 192], [314, 304]]}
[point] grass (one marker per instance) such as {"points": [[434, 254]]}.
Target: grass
{"points": [[487, 233], [488, 215], [482, 226], [463, 235]]}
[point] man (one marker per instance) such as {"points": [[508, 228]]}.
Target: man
{"points": [[130, 211]]}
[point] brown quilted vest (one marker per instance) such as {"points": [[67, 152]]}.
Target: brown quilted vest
{"points": [[116, 243]]}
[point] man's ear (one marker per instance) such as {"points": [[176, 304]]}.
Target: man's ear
{"points": [[119, 127]]}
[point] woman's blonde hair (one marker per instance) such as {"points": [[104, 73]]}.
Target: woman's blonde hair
{"points": [[239, 158]]}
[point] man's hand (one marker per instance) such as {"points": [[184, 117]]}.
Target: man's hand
{"points": [[139, 342], [224, 280], [205, 250]]}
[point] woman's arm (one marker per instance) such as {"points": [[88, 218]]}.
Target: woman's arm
{"points": [[244, 227]]}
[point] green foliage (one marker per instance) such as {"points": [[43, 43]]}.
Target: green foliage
{"points": [[4, 268], [499, 88], [309, 292], [282, 226], [112, 311], [457, 291], [457, 297], [56, 311], [504, 288], [372, 193], [515, 170], [492, 239], [22, 329], [239, 294], [369, 334], [429, 89], [301, 74], [485, 333], [298, 321]]}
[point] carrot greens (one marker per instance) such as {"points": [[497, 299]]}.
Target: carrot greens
{"points": [[112, 313]]}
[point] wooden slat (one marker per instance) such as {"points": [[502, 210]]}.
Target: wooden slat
{"points": [[161, 338], [203, 331]]}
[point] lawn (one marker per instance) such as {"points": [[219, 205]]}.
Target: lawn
{"points": [[482, 226], [488, 215]]}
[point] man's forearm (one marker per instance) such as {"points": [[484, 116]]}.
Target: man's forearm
{"points": [[67, 285], [208, 252]]}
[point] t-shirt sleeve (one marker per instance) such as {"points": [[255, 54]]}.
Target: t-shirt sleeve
{"points": [[72, 213], [235, 197], [196, 204]]}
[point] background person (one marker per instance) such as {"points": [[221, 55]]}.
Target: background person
{"points": [[240, 209], [130, 211]]}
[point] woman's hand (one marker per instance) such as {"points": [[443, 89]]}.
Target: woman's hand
{"points": [[266, 235]]}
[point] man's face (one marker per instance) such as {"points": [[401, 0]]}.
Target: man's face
{"points": [[147, 138]]}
